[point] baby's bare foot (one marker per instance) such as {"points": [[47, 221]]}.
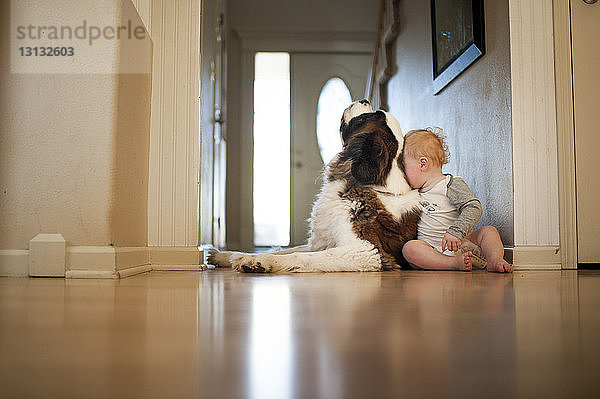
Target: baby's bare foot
{"points": [[499, 266], [463, 261]]}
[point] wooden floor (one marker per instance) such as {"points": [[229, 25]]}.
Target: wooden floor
{"points": [[219, 334]]}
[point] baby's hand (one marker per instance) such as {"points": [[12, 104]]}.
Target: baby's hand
{"points": [[450, 242]]}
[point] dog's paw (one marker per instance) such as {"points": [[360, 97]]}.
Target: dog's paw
{"points": [[218, 258], [258, 263]]}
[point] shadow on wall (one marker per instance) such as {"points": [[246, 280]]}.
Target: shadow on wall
{"points": [[129, 208]]}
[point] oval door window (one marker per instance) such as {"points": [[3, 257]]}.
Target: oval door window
{"points": [[334, 98]]}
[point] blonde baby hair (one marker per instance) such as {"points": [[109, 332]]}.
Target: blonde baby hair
{"points": [[429, 143]]}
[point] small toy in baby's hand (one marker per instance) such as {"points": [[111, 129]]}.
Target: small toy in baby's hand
{"points": [[478, 260]]}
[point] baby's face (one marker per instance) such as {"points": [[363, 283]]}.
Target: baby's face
{"points": [[413, 172]]}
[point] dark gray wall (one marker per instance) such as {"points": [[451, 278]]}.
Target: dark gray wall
{"points": [[474, 110]]}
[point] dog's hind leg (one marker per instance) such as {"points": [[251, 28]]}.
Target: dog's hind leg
{"points": [[362, 257], [223, 258]]}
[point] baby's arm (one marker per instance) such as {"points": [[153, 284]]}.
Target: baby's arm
{"points": [[468, 206]]}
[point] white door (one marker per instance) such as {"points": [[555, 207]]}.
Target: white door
{"points": [[585, 24], [309, 73]]}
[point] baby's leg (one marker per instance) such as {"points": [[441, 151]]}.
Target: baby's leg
{"points": [[489, 240], [422, 256]]}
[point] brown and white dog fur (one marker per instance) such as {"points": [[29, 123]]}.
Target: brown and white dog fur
{"points": [[364, 213]]}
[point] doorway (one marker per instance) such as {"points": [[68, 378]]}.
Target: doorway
{"points": [[314, 79]]}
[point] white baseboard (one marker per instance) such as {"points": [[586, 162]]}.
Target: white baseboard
{"points": [[14, 263], [176, 256], [47, 255], [131, 257], [109, 262], [91, 274], [179, 267], [536, 258], [87, 258], [121, 262], [132, 271]]}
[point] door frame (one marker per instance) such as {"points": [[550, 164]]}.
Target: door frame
{"points": [[542, 118], [565, 133], [212, 153], [250, 42]]}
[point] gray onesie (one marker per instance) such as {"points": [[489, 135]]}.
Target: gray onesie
{"points": [[449, 206]]}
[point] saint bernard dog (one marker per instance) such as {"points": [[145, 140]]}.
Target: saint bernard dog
{"points": [[364, 213]]}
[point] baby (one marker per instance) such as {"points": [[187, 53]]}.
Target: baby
{"points": [[450, 211]]}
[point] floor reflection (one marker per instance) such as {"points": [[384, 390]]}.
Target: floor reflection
{"points": [[558, 322], [220, 334], [377, 334], [270, 354]]}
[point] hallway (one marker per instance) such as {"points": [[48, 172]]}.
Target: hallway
{"points": [[219, 334]]}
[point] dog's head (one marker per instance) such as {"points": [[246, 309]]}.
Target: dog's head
{"points": [[372, 148]]}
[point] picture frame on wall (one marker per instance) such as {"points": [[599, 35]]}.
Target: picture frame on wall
{"points": [[458, 38]]}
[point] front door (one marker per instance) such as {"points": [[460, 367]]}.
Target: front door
{"points": [[309, 74], [585, 27]]}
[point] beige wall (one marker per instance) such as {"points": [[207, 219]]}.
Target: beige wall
{"points": [[474, 110], [73, 150]]}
